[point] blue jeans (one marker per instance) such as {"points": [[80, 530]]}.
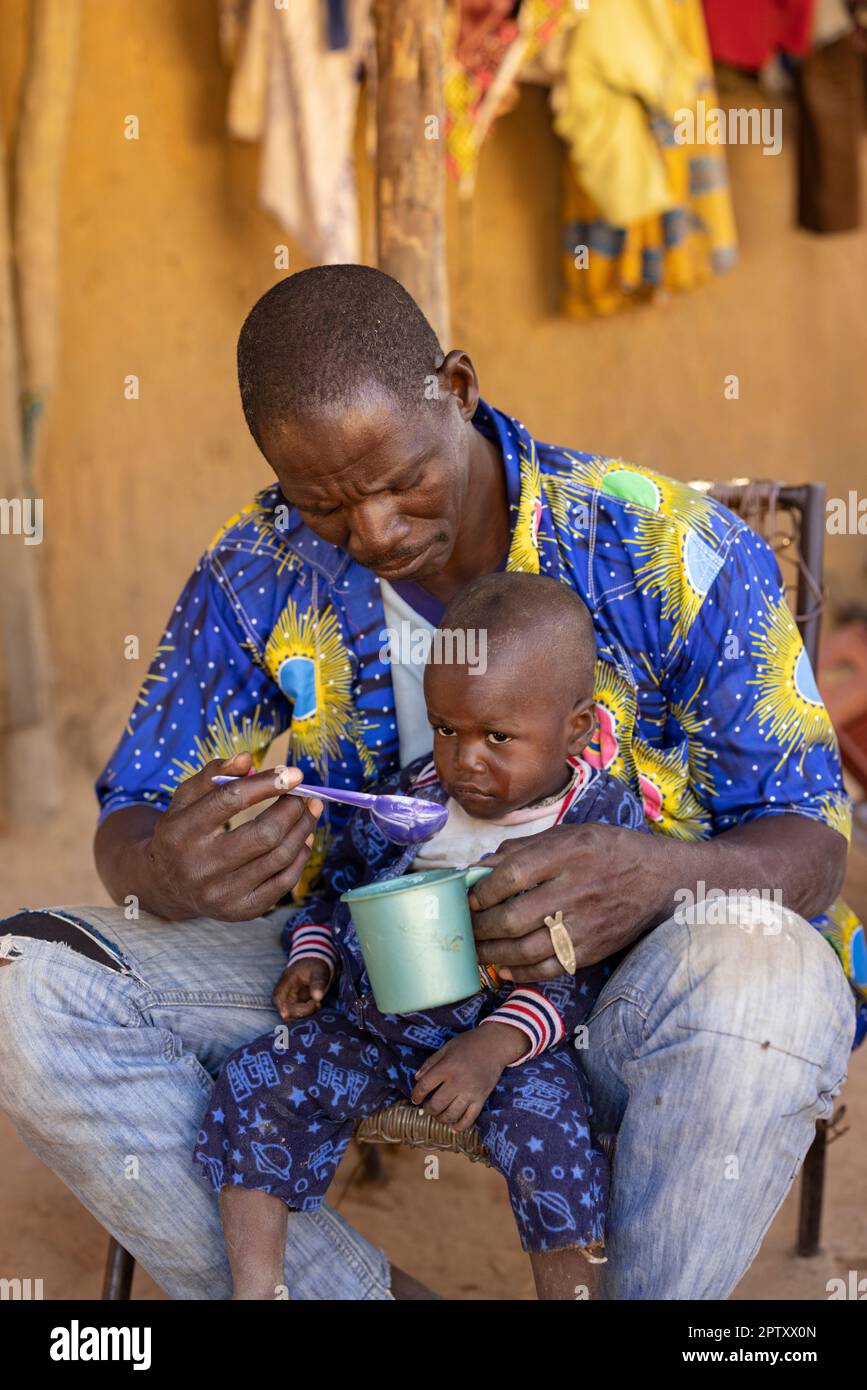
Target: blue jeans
{"points": [[712, 1050]]}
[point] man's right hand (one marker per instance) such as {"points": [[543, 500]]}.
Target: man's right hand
{"points": [[188, 865]]}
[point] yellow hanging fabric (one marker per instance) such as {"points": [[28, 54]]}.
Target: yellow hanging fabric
{"points": [[642, 212]]}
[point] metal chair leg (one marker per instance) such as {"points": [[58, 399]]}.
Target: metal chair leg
{"points": [[119, 1269], [812, 1191]]}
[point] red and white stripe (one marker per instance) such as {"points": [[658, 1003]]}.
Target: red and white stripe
{"points": [[536, 1017], [316, 942], [424, 776], [585, 775]]}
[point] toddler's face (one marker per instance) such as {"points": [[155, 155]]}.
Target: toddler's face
{"points": [[501, 739]]}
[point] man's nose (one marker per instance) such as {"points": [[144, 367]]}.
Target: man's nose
{"points": [[375, 529]]}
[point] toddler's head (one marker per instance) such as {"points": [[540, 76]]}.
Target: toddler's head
{"points": [[504, 729]]}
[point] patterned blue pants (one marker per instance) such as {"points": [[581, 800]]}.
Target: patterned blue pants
{"points": [[282, 1115]]}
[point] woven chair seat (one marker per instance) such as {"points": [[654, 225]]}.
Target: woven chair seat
{"points": [[403, 1123]]}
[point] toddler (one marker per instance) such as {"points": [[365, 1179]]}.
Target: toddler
{"points": [[507, 747]]}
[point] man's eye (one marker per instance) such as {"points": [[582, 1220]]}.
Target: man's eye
{"points": [[445, 731], [499, 738]]}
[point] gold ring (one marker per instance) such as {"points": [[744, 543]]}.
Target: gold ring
{"points": [[562, 943]]}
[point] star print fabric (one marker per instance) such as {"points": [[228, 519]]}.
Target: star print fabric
{"points": [[285, 1107]]}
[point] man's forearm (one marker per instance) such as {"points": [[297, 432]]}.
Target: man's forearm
{"points": [[801, 859], [120, 852]]}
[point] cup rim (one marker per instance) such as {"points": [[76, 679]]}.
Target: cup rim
{"points": [[385, 885]]}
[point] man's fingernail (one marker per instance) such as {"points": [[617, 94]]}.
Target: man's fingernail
{"points": [[315, 807], [309, 841]]}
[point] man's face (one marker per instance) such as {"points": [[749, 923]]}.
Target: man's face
{"points": [[498, 746], [384, 485]]}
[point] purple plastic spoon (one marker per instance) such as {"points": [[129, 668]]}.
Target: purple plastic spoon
{"points": [[402, 819]]}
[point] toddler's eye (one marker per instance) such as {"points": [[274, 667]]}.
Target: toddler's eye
{"points": [[499, 738], [445, 731]]}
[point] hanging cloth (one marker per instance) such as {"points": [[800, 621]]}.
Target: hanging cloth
{"points": [[829, 91], [746, 33], [299, 94], [488, 43], [652, 215]]}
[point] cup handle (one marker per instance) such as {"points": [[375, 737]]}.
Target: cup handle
{"points": [[474, 873]]}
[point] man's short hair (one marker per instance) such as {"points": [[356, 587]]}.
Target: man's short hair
{"points": [[319, 338]]}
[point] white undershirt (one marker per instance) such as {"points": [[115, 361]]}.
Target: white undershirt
{"points": [[414, 733]]}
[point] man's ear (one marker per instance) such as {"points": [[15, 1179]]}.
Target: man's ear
{"points": [[457, 377], [582, 723]]}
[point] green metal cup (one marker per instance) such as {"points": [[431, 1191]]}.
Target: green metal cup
{"points": [[416, 936]]}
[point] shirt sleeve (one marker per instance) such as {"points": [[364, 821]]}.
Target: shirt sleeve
{"points": [[535, 1015], [203, 697], [313, 941], [743, 691]]}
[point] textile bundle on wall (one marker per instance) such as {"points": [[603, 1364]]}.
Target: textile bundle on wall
{"points": [[642, 212]]}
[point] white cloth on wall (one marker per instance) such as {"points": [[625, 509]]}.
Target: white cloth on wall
{"points": [[300, 97]]}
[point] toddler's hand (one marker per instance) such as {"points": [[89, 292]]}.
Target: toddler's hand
{"points": [[456, 1081], [302, 987]]}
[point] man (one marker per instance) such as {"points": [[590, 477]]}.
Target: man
{"points": [[721, 1036]]}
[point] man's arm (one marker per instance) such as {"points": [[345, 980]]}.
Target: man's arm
{"points": [[183, 863], [612, 885]]}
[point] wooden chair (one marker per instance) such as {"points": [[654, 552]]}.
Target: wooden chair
{"points": [[792, 520]]}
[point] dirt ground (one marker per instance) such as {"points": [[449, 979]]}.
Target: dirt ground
{"points": [[455, 1233]]}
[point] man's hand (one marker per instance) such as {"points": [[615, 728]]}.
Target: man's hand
{"points": [[596, 875], [613, 884], [456, 1081], [183, 863], [302, 987]]}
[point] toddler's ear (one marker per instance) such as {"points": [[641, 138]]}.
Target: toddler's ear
{"points": [[582, 724]]}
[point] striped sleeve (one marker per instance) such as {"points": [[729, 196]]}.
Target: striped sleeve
{"points": [[536, 1017], [313, 941]]}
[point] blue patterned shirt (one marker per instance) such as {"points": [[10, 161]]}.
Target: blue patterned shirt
{"points": [[708, 707]]}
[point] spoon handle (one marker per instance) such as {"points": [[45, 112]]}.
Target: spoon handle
{"points": [[348, 798], [364, 799]]}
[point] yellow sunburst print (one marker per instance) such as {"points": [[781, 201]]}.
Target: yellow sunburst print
{"points": [[670, 804], [836, 811], [693, 726], [846, 934], [142, 698], [675, 540], [307, 659], [267, 535], [223, 739], [788, 707], [524, 549], [611, 745]]}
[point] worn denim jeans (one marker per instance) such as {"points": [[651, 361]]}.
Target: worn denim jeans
{"points": [[713, 1049], [711, 1052]]}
